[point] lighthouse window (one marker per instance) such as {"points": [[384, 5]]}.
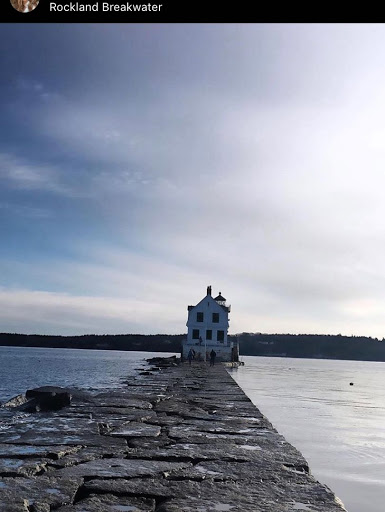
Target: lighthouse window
{"points": [[209, 334], [199, 317], [220, 335], [195, 334], [215, 318]]}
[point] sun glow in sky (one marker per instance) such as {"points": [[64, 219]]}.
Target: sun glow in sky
{"points": [[141, 163]]}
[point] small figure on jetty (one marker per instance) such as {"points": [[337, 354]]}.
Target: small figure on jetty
{"points": [[212, 357], [190, 355]]}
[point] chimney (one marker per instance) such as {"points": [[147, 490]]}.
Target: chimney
{"points": [[209, 290]]}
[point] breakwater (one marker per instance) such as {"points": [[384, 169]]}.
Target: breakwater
{"points": [[173, 439]]}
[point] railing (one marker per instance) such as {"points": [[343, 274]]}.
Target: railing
{"points": [[222, 303]]}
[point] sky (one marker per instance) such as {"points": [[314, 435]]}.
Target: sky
{"points": [[141, 163]]}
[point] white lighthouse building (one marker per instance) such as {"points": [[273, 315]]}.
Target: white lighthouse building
{"points": [[207, 325]]}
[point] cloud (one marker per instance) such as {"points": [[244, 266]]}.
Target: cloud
{"points": [[246, 157], [20, 174], [51, 313], [114, 290]]}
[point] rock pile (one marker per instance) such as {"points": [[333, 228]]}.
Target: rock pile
{"points": [[184, 439]]}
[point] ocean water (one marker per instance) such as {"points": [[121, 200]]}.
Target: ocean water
{"points": [[338, 427], [25, 368]]}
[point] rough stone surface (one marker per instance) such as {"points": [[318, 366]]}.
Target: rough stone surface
{"points": [[24, 451], [48, 491], [123, 468], [159, 488], [19, 467], [112, 503], [133, 429], [176, 438]]}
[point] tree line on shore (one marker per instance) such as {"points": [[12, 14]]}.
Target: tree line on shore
{"points": [[319, 346], [316, 346], [140, 342]]}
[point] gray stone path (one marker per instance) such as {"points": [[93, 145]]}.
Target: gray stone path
{"points": [[182, 439]]}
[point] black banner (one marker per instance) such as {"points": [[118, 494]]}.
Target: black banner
{"points": [[172, 11]]}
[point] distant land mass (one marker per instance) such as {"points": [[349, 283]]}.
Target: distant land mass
{"points": [[317, 346]]}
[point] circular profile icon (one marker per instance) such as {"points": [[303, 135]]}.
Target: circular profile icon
{"points": [[24, 5]]}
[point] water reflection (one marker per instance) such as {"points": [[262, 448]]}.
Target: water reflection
{"points": [[337, 426]]}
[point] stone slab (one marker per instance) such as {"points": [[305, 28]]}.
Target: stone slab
{"points": [[85, 455], [23, 451], [158, 488], [50, 491], [111, 503], [233, 497], [134, 429], [22, 467], [122, 468]]}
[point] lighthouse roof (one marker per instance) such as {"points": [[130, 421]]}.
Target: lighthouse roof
{"points": [[219, 300]]}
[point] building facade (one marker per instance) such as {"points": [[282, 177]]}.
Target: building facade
{"points": [[207, 327]]}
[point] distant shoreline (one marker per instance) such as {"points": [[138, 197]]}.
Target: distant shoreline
{"points": [[310, 346]]}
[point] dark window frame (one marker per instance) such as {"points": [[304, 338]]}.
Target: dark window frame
{"points": [[215, 318], [200, 316], [221, 336], [195, 334], [209, 334]]}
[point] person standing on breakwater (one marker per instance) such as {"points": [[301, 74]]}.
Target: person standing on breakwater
{"points": [[212, 357], [190, 355]]}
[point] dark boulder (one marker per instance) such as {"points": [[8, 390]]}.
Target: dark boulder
{"points": [[47, 398], [164, 362]]}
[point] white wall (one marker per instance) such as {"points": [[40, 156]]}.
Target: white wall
{"points": [[208, 306]]}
